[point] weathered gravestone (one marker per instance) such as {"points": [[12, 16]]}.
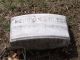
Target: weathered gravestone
{"points": [[39, 31]]}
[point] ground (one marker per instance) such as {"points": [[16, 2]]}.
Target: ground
{"points": [[69, 8]]}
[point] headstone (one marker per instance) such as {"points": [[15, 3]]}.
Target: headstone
{"points": [[39, 31]]}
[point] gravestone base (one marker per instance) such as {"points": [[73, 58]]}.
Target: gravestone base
{"points": [[40, 43]]}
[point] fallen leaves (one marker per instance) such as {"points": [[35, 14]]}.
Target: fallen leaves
{"points": [[13, 57]]}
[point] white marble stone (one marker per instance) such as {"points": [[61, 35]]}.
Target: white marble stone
{"points": [[39, 26]]}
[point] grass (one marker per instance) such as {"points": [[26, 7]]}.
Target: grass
{"points": [[9, 8], [69, 8]]}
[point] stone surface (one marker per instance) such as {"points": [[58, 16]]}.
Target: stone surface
{"points": [[38, 31]]}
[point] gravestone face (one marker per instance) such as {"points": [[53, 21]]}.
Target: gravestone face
{"points": [[39, 31]]}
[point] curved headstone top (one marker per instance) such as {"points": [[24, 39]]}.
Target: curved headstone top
{"points": [[39, 31]]}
